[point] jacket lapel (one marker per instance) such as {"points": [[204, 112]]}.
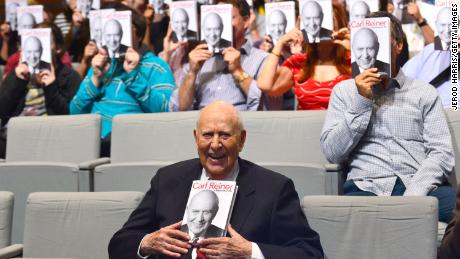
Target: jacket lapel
{"points": [[182, 190], [244, 198]]}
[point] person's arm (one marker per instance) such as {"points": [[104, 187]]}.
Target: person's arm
{"points": [[13, 90], [58, 93], [85, 63], [274, 80], [348, 116], [150, 82], [186, 93], [428, 34], [149, 13], [5, 32], [439, 160]]}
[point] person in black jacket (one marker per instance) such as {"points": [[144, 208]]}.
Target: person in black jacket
{"points": [[46, 93]]}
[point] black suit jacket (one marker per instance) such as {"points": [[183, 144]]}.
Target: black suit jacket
{"points": [[212, 231], [266, 211], [121, 50], [42, 65], [221, 45], [381, 66], [438, 44], [191, 35], [324, 35]]}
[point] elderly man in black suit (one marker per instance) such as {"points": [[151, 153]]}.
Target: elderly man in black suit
{"points": [[113, 34], [312, 18], [365, 46], [32, 51], [443, 26], [179, 23], [212, 29], [266, 222]]}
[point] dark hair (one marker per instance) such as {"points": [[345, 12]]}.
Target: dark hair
{"points": [[396, 28], [241, 5], [340, 59]]}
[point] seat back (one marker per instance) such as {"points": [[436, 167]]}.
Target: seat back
{"points": [[374, 227], [6, 217], [75, 225], [69, 138], [153, 137]]}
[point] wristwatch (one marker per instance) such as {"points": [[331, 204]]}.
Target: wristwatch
{"points": [[422, 23], [241, 77]]}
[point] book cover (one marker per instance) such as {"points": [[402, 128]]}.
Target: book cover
{"points": [[216, 26], [280, 19], [359, 9], [116, 33], [95, 24], [370, 45], [36, 49], [184, 21], [85, 6], [11, 12], [209, 208], [442, 17], [29, 16], [158, 5], [316, 20]]}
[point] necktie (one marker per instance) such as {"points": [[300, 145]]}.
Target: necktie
{"points": [[199, 255]]}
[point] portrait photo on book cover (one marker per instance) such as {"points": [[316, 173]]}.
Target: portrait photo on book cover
{"points": [[316, 20], [200, 214], [11, 12], [116, 33], [216, 27], [36, 50], [368, 51], [29, 16], [280, 19], [183, 21], [444, 29]]}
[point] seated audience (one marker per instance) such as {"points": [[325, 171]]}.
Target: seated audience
{"points": [[46, 93], [266, 222], [175, 54], [9, 42], [391, 133], [450, 245], [312, 74], [230, 75], [138, 83]]}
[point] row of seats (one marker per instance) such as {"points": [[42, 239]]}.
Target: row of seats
{"points": [[60, 153], [79, 225]]}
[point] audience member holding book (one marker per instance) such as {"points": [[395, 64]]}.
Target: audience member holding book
{"points": [[267, 220], [391, 133], [312, 74]]}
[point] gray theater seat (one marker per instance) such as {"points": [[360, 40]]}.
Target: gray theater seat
{"points": [[6, 217], [44, 154], [374, 227], [75, 225]]}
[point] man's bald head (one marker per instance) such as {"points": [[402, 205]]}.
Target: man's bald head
{"points": [[359, 10], [443, 24], [180, 22], [113, 33], [221, 109], [201, 211], [365, 47], [277, 23], [312, 17], [212, 27], [32, 51], [27, 21]]}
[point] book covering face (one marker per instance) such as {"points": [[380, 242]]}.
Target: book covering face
{"points": [[359, 10], [11, 12], [36, 49], [443, 25], [366, 48]]}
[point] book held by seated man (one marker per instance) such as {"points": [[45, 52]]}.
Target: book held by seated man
{"points": [[209, 207], [316, 21], [280, 19], [370, 46], [216, 27], [36, 49], [116, 33]]}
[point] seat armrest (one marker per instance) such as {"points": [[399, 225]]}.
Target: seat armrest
{"points": [[90, 165], [333, 167], [11, 251], [2, 160]]}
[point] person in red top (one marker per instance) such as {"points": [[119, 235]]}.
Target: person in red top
{"points": [[313, 73]]}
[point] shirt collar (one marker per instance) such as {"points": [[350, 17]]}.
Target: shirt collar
{"points": [[230, 177]]}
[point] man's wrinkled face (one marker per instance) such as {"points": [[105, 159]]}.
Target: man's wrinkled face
{"points": [[365, 49], [32, 52], [312, 18], [219, 141], [180, 22], [443, 25], [112, 35], [213, 29], [359, 11], [27, 21], [12, 16], [277, 25], [200, 212]]}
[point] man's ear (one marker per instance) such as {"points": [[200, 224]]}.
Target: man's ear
{"points": [[242, 140], [195, 136]]}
